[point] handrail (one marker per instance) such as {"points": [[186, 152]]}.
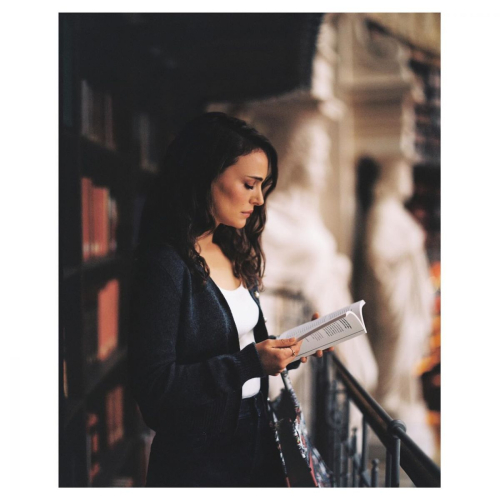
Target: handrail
{"points": [[419, 467]]}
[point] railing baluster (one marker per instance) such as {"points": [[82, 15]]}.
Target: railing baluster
{"points": [[395, 463], [396, 449], [354, 461], [364, 447], [388, 467], [401, 450], [374, 472], [346, 436], [331, 428]]}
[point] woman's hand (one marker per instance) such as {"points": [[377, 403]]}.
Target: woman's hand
{"points": [[317, 354], [276, 354]]}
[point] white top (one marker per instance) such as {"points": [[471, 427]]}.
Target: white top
{"points": [[246, 315]]}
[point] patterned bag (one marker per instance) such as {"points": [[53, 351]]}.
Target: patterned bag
{"points": [[302, 464]]}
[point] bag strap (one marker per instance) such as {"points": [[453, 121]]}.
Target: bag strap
{"points": [[285, 377]]}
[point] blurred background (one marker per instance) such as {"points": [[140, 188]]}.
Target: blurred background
{"points": [[351, 103]]}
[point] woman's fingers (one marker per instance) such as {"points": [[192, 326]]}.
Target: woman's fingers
{"points": [[285, 342], [276, 354], [315, 316]]}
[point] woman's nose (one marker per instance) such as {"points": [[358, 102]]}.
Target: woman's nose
{"points": [[258, 198]]}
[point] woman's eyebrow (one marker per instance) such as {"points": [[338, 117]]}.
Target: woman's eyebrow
{"points": [[254, 177]]}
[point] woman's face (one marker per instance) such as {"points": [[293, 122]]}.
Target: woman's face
{"points": [[238, 189]]}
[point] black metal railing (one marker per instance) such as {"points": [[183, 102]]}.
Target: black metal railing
{"points": [[333, 438], [340, 448]]}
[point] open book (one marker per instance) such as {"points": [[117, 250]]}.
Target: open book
{"points": [[328, 330]]}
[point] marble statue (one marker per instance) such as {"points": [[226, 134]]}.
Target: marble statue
{"points": [[399, 295], [301, 252]]}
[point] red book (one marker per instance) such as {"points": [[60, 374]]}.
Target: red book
{"points": [[103, 314], [108, 308], [105, 221], [115, 310], [98, 221]]}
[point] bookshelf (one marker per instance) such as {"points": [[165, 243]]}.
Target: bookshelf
{"points": [[109, 147]]}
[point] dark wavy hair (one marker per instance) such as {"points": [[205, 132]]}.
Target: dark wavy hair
{"points": [[179, 207]]}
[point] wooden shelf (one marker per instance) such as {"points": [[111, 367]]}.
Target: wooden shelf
{"points": [[71, 408], [119, 171], [104, 166], [99, 371], [103, 268]]}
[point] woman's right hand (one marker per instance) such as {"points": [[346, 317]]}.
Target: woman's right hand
{"points": [[276, 354]]}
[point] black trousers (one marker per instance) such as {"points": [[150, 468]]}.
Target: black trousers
{"points": [[248, 459]]}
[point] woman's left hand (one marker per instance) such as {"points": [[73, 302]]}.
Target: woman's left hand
{"points": [[317, 354]]}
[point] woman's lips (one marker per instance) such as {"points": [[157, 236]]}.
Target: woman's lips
{"points": [[247, 214]]}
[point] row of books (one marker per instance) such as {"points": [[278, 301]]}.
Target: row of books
{"points": [[97, 116], [103, 432], [99, 221], [101, 322], [98, 124]]}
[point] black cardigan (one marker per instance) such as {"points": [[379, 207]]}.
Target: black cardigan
{"points": [[186, 366]]}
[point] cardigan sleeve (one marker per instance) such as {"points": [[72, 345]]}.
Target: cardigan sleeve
{"points": [[159, 383]]}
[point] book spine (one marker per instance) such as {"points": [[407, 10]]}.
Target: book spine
{"points": [[102, 309], [114, 320], [100, 246], [105, 221], [108, 310]]}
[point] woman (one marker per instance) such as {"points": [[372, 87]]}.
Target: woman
{"points": [[199, 350]]}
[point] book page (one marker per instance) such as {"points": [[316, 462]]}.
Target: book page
{"points": [[329, 330], [332, 334], [310, 327]]}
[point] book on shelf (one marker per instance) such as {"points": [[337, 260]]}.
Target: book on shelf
{"points": [[328, 330], [114, 415], [93, 448], [97, 115], [107, 319], [99, 221], [101, 322]]}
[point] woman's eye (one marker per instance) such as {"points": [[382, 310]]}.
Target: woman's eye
{"points": [[248, 186]]}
